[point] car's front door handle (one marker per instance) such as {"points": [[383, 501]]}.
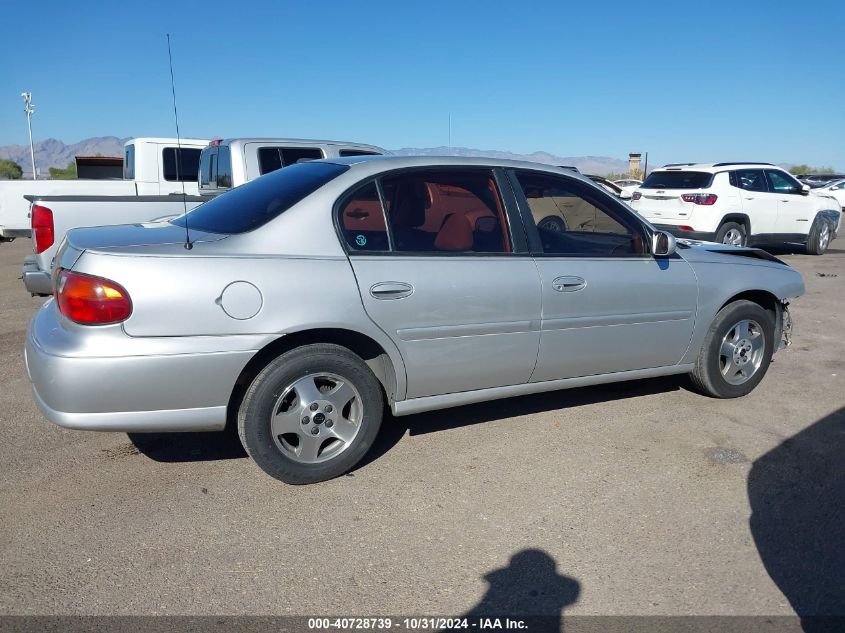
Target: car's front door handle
{"points": [[569, 284], [391, 290]]}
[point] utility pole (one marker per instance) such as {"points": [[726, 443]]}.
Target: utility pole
{"points": [[29, 109]]}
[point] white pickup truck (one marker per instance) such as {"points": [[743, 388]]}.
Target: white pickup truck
{"points": [[222, 165], [150, 168], [227, 163]]}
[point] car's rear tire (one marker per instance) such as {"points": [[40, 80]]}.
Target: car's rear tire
{"points": [[736, 351], [311, 414], [732, 233], [819, 238]]}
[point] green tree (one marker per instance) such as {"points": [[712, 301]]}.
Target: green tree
{"points": [[10, 170], [68, 173], [806, 169]]}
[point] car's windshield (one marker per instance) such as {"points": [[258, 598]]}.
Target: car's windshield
{"points": [[677, 180], [254, 204]]}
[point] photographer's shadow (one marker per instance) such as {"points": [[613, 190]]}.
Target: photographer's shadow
{"points": [[528, 589]]}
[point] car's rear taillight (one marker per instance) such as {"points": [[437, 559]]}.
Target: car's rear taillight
{"points": [[91, 300], [43, 231], [700, 198], [636, 195]]}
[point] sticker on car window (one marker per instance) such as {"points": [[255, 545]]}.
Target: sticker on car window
{"points": [[360, 240]]}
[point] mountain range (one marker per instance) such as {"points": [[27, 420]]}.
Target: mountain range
{"points": [[55, 153]]}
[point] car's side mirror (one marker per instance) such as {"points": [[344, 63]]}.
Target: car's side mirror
{"points": [[663, 244], [805, 189]]}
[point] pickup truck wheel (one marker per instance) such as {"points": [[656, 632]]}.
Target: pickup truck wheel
{"points": [[819, 238], [736, 352], [732, 233], [311, 414]]}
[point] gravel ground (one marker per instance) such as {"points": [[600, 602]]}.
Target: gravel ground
{"points": [[627, 499]]}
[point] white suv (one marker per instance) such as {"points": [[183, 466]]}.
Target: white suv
{"points": [[737, 203]]}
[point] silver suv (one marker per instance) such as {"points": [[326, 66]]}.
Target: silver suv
{"points": [[298, 305]]}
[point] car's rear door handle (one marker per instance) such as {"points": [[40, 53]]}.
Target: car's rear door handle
{"points": [[750, 198], [391, 290], [569, 284]]}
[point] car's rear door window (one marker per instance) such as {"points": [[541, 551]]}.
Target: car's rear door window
{"points": [[446, 211], [677, 180], [273, 158], [573, 219], [362, 220], [180, 163], [254, 204], [428, 211], [751, 179]]}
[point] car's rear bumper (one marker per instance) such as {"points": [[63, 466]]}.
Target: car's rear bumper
{"points": [[37, 281], [703, 236], [107, 381]]}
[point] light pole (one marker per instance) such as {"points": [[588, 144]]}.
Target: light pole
{"points": [[29, 109]]}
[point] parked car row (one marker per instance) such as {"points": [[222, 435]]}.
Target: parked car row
{"points": [[311, 297], [739, 204], [819, 180]]}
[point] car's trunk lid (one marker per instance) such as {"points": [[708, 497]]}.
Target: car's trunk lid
{"points": [[130, 237]]}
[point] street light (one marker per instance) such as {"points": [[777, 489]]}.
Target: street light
{"points": [[29, 109]]}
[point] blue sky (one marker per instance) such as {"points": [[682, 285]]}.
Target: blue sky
{"points": [[681, 80]]}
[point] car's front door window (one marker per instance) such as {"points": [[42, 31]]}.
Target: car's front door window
{"points": [[573, 220], [782, 183]]}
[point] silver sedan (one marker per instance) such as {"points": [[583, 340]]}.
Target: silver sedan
{"points": [[300, 305]]}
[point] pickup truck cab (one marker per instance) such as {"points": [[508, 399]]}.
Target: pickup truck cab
{"points": [[151, 167], [228, 163]]}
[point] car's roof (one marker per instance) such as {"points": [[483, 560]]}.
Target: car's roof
{"points": [[714, 167], [377, 164], [166, 140]]}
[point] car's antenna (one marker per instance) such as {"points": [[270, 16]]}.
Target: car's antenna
{"points": [[181, 176]]}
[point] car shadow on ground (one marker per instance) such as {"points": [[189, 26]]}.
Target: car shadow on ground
{"points": [[395, 428], [189, 447], [195, 447], [797, 497]]}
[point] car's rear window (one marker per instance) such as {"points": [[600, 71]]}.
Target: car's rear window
{"points": [[677, 180], [254, 204]]}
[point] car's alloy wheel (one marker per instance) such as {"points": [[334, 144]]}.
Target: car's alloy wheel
{"points": [[734, 236], [311, 414], [819, 238], [316, 418], [824, 237], [741, 352], [736, 352]]}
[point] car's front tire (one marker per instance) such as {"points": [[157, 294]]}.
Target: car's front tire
{"points": [[311, 414], [736, 352], [819, 238], [732, 233]]}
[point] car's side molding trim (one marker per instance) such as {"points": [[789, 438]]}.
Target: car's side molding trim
{"points": [[469, 329], [614, 319], [429, 403]]}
